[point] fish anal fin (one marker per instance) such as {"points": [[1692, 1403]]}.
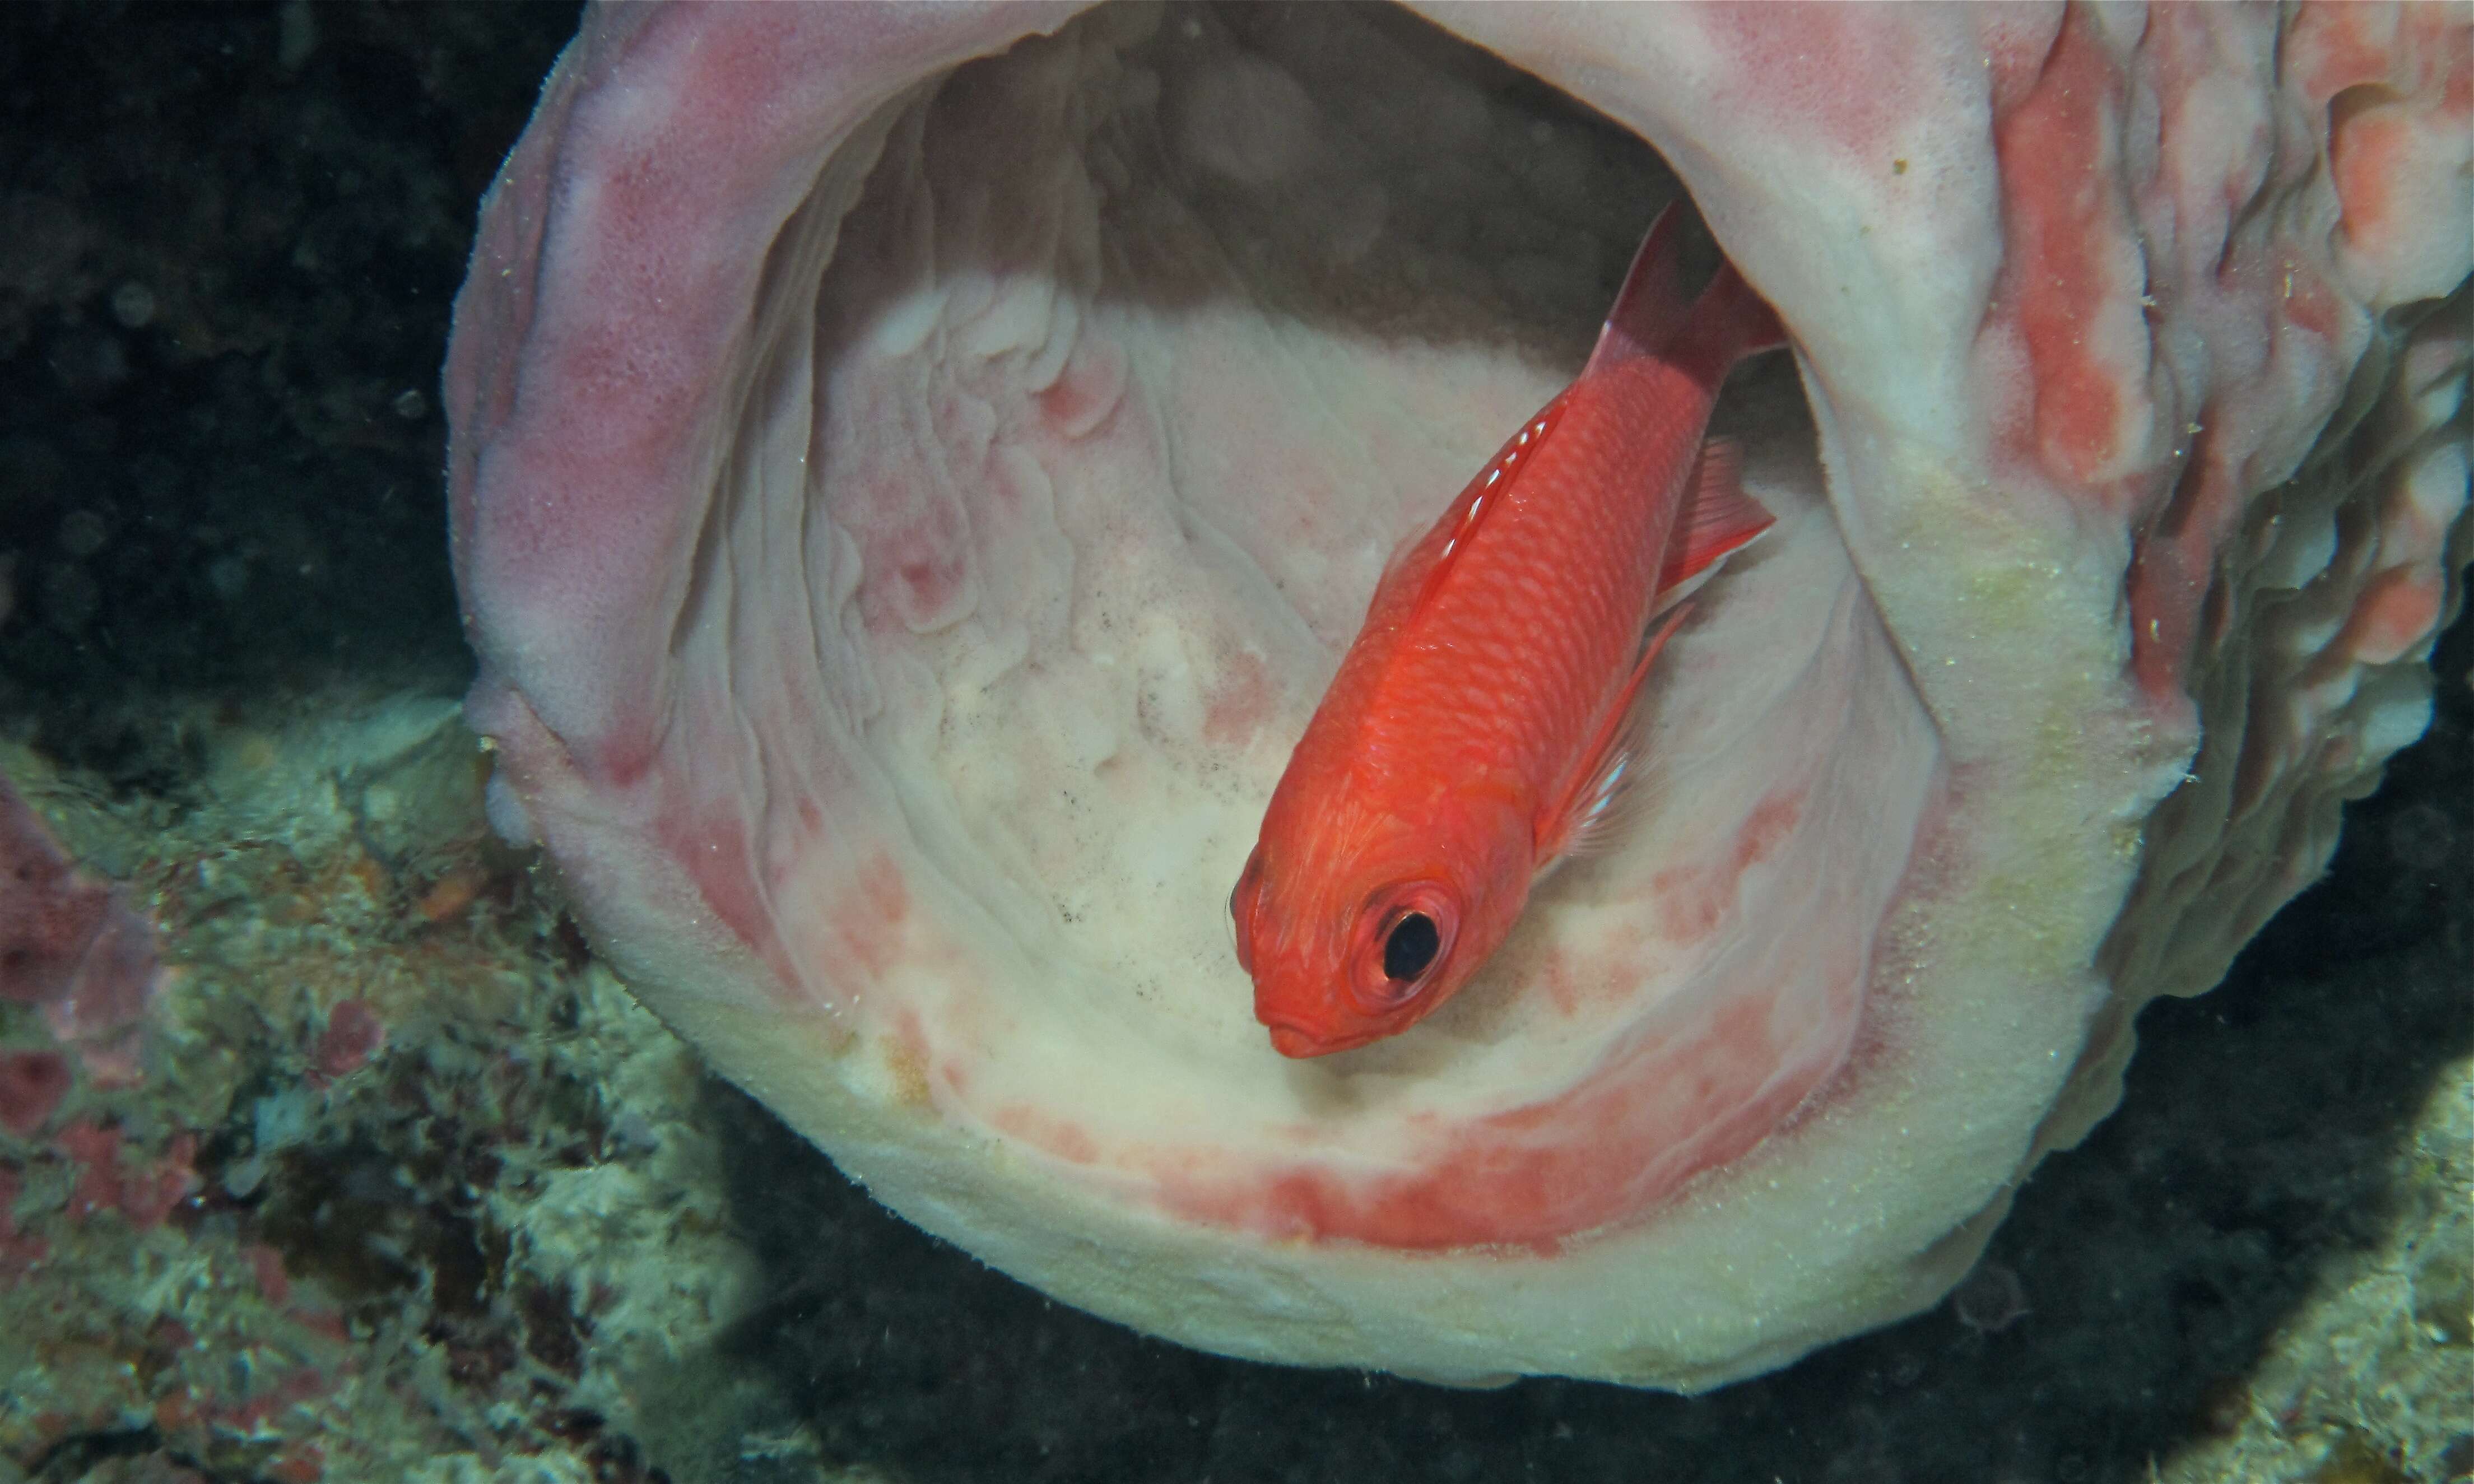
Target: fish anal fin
{"points": [[1717, 518], [1650, 308], [1587, 813]]}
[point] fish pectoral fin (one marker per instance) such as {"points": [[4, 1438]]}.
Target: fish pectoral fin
{"points": [[1588, 813], [1716, 519]]}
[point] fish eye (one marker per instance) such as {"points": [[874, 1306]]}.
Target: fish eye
{"points": [[1410, 946], [1405, 931]]}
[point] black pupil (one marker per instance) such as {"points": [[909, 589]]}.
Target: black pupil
{"points": [[1411, 947]]}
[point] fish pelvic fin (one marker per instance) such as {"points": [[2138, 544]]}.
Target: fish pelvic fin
{"points": [[1715, 519], [1650, 308], [1587, 813]]}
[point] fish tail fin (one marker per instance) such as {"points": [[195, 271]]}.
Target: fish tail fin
{"points": [[1652, 316], [1716, 518], [1729, 321], [1650, 308]]}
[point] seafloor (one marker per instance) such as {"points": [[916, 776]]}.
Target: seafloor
{"points": [[384, 1179]]}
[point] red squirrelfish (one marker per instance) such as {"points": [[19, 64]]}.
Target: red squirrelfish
{"points": [[1478, 731]]}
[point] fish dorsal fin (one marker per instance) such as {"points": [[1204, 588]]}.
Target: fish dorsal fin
{"points": [[1650, 307], [1715, 519], [1458, 526], [1587, 811]]}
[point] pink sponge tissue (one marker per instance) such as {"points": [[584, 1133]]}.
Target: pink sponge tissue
{"points": [[915, 470], [71, 947]]}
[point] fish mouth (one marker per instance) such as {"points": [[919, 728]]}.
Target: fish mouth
{"points": [[906, 524], [1299, 1043]]}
